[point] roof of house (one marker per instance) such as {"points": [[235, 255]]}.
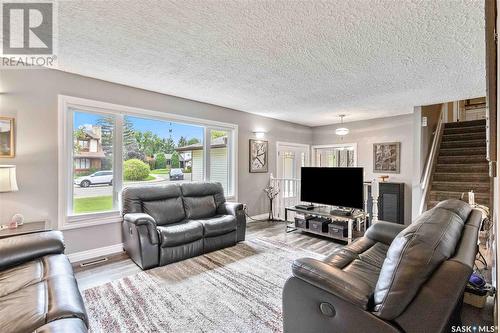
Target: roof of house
{"points": [[219, 142]]}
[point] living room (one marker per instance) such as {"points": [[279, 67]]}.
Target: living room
{"points": [[153, 168]]}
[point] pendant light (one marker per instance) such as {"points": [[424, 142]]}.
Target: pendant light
{"points": [[341, 131]]}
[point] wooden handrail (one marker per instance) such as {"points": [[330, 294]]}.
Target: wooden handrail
{"points": [[429, 167]]}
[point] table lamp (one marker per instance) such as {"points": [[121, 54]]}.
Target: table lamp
{"points": [[8, 183]]}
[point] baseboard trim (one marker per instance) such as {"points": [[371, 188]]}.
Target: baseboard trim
{"points": [[95, 253]]}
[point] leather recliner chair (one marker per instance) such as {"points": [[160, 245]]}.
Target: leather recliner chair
{"points": [[394, 279], [163, 224], [38, 291]]}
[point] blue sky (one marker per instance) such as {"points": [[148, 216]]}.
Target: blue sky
{"points": [[158, 127]]}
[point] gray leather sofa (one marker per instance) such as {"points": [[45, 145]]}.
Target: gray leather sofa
{"points": [[394, 279], [163, 224], [38, 291]]}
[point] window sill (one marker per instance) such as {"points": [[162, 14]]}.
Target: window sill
{"points": [[90, 220]]}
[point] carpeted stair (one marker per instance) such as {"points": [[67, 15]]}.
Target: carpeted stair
{"points": [[461, 164]]}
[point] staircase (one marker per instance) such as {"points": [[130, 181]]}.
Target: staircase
{"points": [[461, 164]]}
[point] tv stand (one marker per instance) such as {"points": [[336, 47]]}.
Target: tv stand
{"points": [[341, 212], [358, 216]]}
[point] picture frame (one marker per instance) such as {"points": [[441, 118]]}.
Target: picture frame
{"points": [[258, 156], [387, 157], [7, 144]]}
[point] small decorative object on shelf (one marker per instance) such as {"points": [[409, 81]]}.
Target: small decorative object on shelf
{"points": [[271, 192], [18, 218], [383, 178]]}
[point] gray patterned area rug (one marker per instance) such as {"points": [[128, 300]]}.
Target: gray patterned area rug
{"points": [[237, 289]]}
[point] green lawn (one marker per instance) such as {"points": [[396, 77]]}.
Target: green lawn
{"points": [[160, 171], [93, 204]]}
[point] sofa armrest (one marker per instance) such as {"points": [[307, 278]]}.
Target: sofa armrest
{"points": [[19, 249], [384, 232], [232, 208], [333, 280], [144, 219], [237, 210]]}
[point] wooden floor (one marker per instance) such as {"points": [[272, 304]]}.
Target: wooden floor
{"points": [[121, 265]]}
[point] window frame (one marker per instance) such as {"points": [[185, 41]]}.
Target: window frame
{"points": [[66, 107], [334, 145]]}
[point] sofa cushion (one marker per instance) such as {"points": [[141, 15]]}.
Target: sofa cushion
{"points": [[204, 189], [180, 233], [38, 292], [218, 225], [375, 255], [414, 255], [165, 211], [133, 197], [199, 207], [363, 271]]}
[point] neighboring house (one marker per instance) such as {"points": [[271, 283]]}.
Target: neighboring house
{"points": [[168, 158], [88, 153], [219, 162]]}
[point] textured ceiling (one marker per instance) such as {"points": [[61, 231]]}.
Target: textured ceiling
{"points": [[301, 61]]}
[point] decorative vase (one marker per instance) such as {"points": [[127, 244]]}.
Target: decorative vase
{"points": [[271, 215]]}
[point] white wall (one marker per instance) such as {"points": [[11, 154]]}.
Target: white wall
{"points": [[31, 96], [365, 134]]}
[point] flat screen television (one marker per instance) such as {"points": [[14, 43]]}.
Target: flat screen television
{"points": [[341, 187]]}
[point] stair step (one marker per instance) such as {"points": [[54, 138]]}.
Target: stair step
{"points": [[463, 136], [460, 186], [464, 144], [463, 168], [462, 151], [460, 130], [460, 177], [482, 198], [480, 122], [432, 203], [474, 159]]}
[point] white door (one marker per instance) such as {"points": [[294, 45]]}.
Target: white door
{"points": [[291, 158]]}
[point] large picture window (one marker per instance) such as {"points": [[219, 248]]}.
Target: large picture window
{"points": [[108, 147]]}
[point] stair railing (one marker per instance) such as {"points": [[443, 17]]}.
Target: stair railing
{"points": [[425, 181], [289, 195]]}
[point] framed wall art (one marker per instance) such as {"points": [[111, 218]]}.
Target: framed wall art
{"points": [[386, 157], [7, 147], [259, 153]]}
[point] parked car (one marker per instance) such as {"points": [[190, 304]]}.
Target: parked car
{"points": [[176, 174], [97, 178]]}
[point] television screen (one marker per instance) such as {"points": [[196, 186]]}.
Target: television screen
{"points": [[342, 187]]}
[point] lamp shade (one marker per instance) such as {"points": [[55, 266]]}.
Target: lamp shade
{"points": [[342, 131], [8, 181]]}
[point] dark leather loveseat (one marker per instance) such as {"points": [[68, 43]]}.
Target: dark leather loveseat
{"points": [[163, 224], [38, 291], [394, 279]]}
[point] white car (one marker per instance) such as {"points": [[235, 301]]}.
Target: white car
{"points": [[97, 178]]}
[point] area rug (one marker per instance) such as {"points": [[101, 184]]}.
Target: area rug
{"points": [[237, 289]]}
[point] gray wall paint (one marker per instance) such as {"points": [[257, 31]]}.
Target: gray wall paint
{"points": [[31, 96], [365, 134]]}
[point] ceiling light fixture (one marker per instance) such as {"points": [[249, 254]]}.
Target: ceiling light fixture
{"points": [[341, 131]]}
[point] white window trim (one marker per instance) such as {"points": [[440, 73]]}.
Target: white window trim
{"points": [[65, 166], [334, 145]]}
